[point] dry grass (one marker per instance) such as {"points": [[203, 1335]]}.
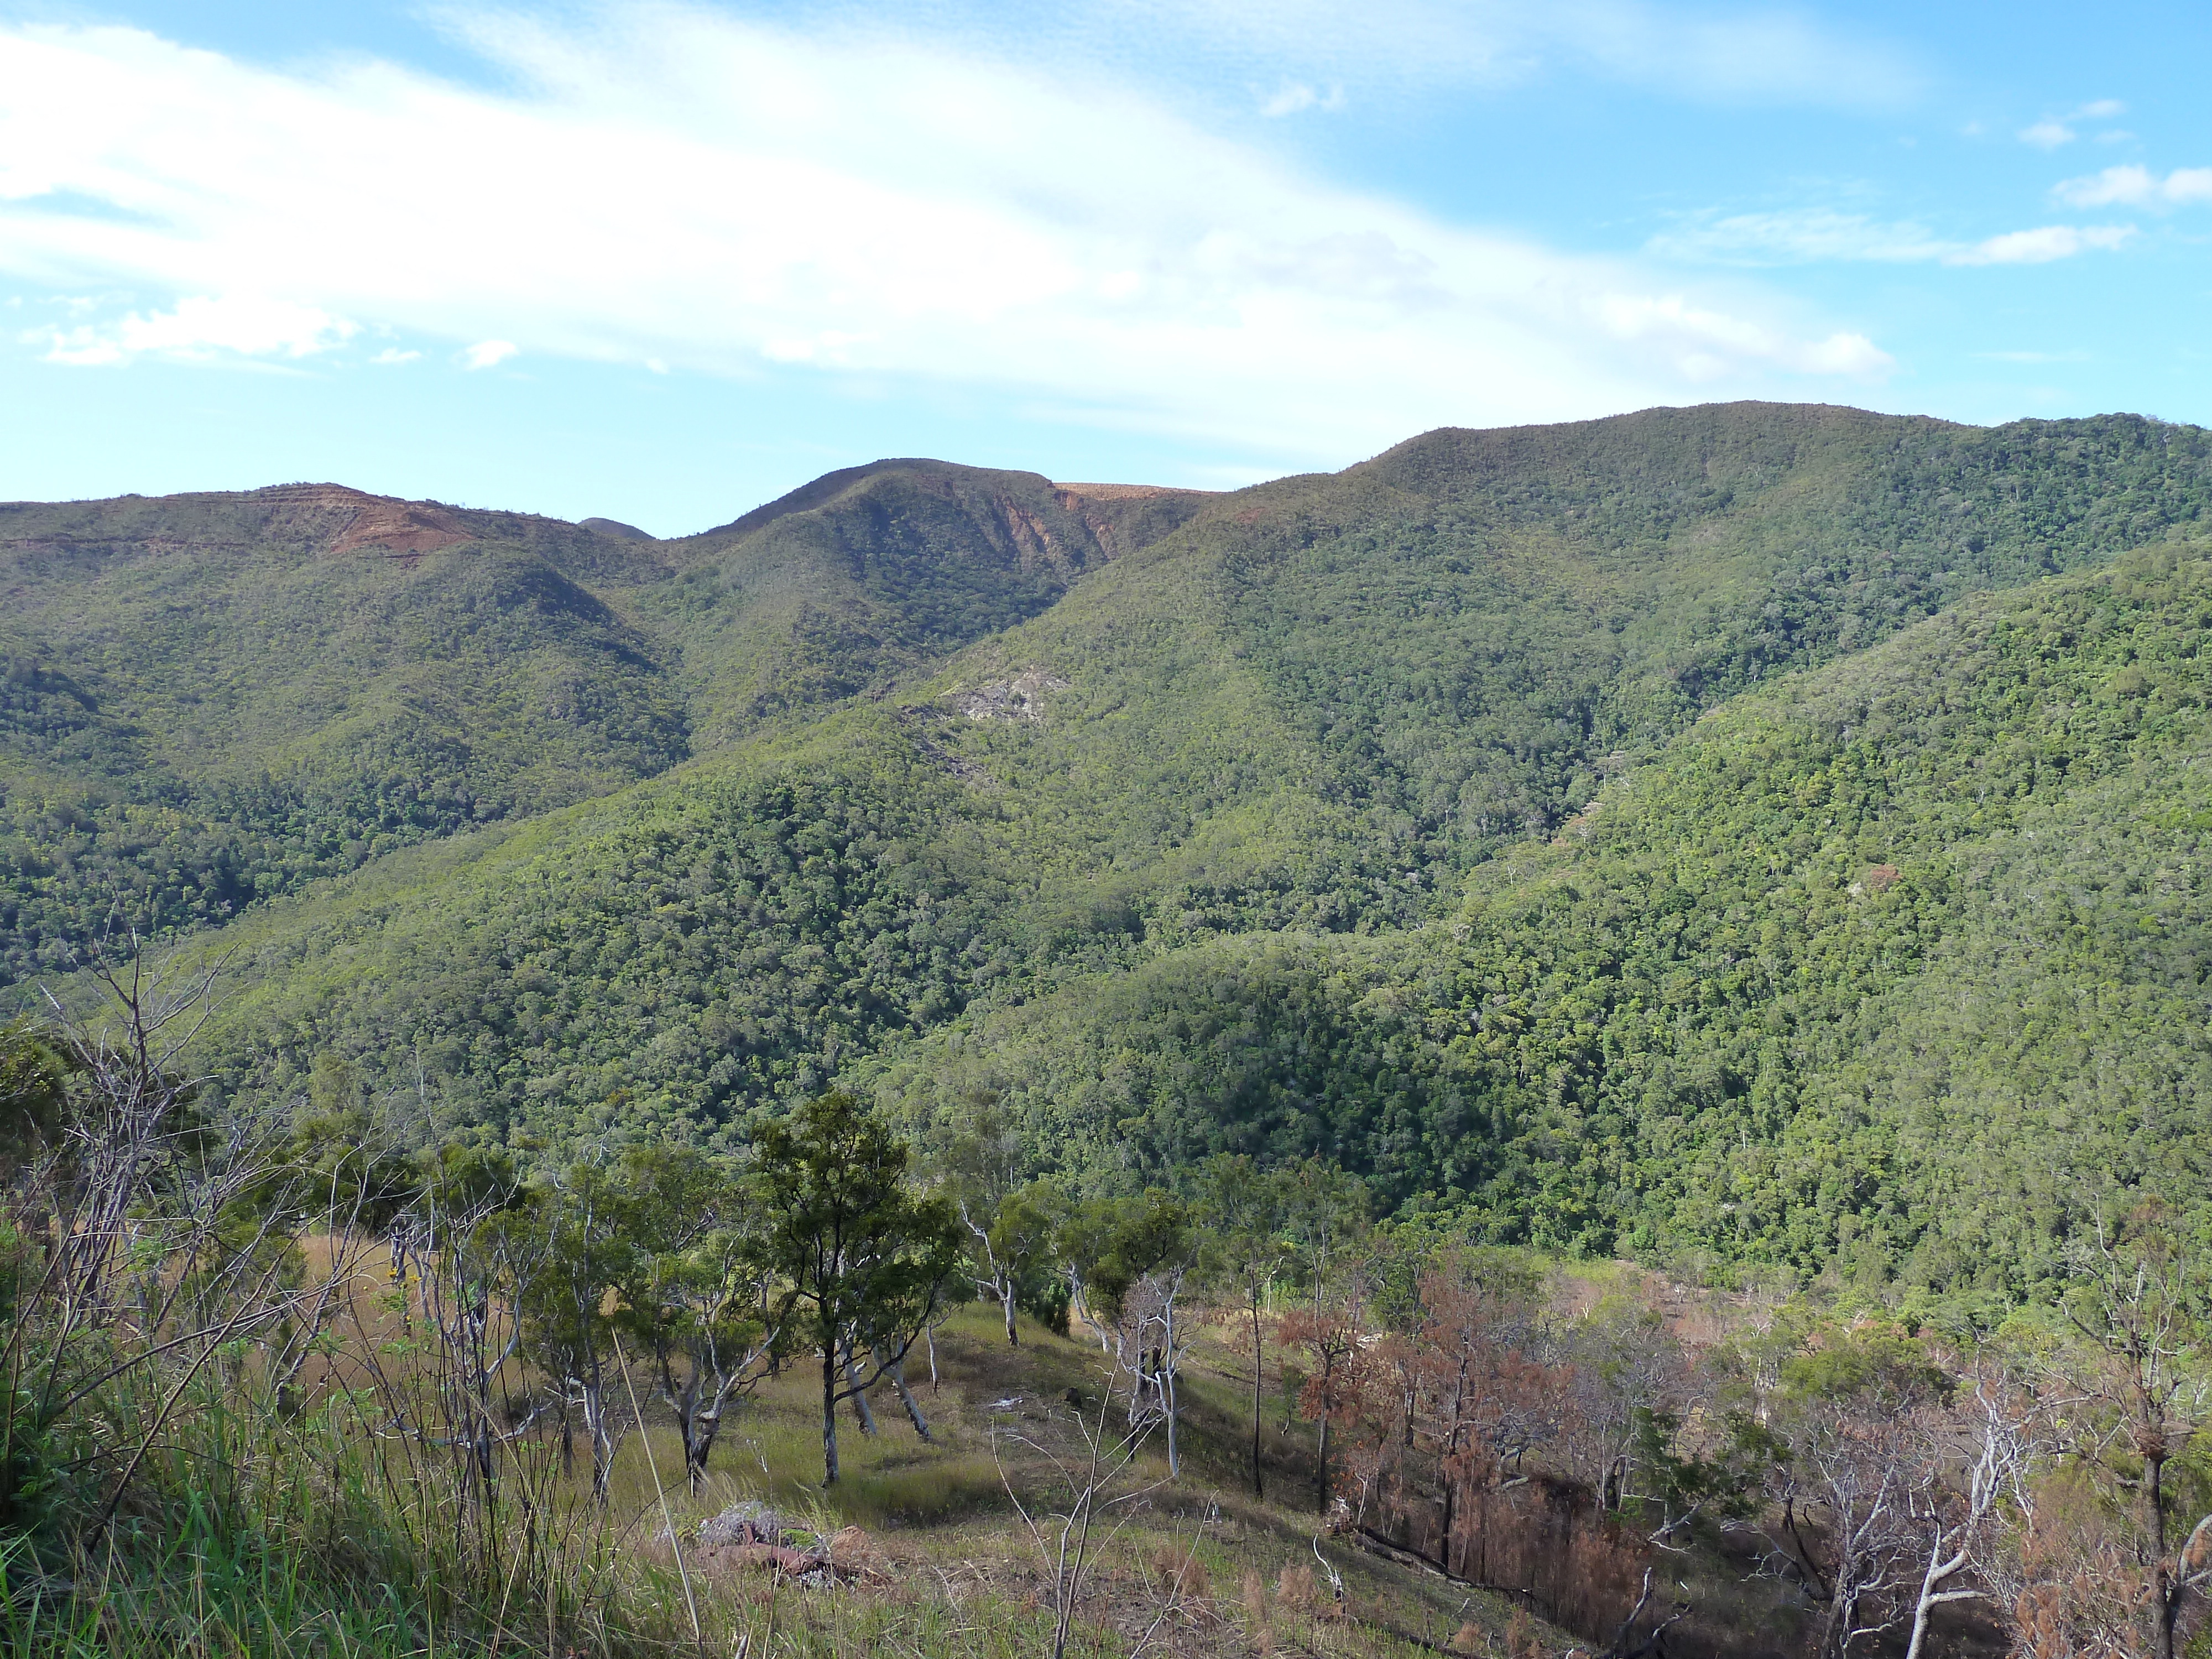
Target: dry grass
{"points": [[957, 1563], [951, 1573]]}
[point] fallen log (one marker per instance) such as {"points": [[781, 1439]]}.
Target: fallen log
{"points": [[1375, 1544]]}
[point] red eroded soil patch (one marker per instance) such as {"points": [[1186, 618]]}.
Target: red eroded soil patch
{"points": [[401, 527], [1114, 492], [375, 524]]}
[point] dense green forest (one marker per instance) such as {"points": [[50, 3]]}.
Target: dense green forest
{"points": [[1900, 964], [1758, 833]]}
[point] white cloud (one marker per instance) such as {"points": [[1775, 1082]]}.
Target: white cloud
{"points": [[1741, 54], [1817, 235], [679, 189], [1711, 339], [487, 353], [1296, 96], [2054, 130], [1800, 237], [2135, 186], [2041, 247], [392, 356], [202, 326]]}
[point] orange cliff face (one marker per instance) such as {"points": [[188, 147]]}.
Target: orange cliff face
{"points": [[401, 529], [365, 522]]}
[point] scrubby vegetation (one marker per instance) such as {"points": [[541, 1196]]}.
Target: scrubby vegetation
{"points": [[281, 1389]]}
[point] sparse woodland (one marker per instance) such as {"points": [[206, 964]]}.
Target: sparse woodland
{"points": [[277, 1388]]}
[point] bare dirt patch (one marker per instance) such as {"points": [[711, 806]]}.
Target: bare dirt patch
{"points": [[402, 529], [1114, 492]]}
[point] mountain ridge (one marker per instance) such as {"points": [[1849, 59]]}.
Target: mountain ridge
{"points": [[920, 752]]}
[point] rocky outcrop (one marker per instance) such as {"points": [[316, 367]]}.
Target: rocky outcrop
{"points": [[1021, 698], [752, 1536]]}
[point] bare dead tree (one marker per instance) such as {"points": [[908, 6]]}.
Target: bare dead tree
{"points": [[1627, 1644], [1849, 1530], [1095, 1488], [166, 1250], [133, 1131], [2004, 1444], [472, 1276], [1627, 1370], [2142, 1391], [1150, 1344]]}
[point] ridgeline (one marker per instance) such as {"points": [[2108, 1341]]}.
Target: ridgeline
{"points": [[1750, 834]]}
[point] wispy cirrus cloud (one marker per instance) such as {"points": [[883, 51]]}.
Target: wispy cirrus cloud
{"points": [[2135, 187], [673, 188], [2053, 132], [1744, 54], [202, 327], [1803, 236], [1739, 54], [2041, 246], [1821, 235]]}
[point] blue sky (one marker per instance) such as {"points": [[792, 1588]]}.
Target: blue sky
{"points": [[663, 262]]}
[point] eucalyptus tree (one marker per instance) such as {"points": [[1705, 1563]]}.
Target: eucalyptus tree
{"points": [[1083, 1240], [861, 1258], [1008, 1217], [1143, 1282], [1010, 1244], [574, 1232], [697, 1292]]}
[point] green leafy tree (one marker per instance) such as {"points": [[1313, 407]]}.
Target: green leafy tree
{"points": [[575, 1237], [1012, 1245], [1010, 1220], [697, 1293], [1082, 1241], [861, 1256]]}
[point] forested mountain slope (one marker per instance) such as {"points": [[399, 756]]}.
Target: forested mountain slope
{"points": [[1182, 821], [210, 699], [1906, 963], [841, 587]]}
